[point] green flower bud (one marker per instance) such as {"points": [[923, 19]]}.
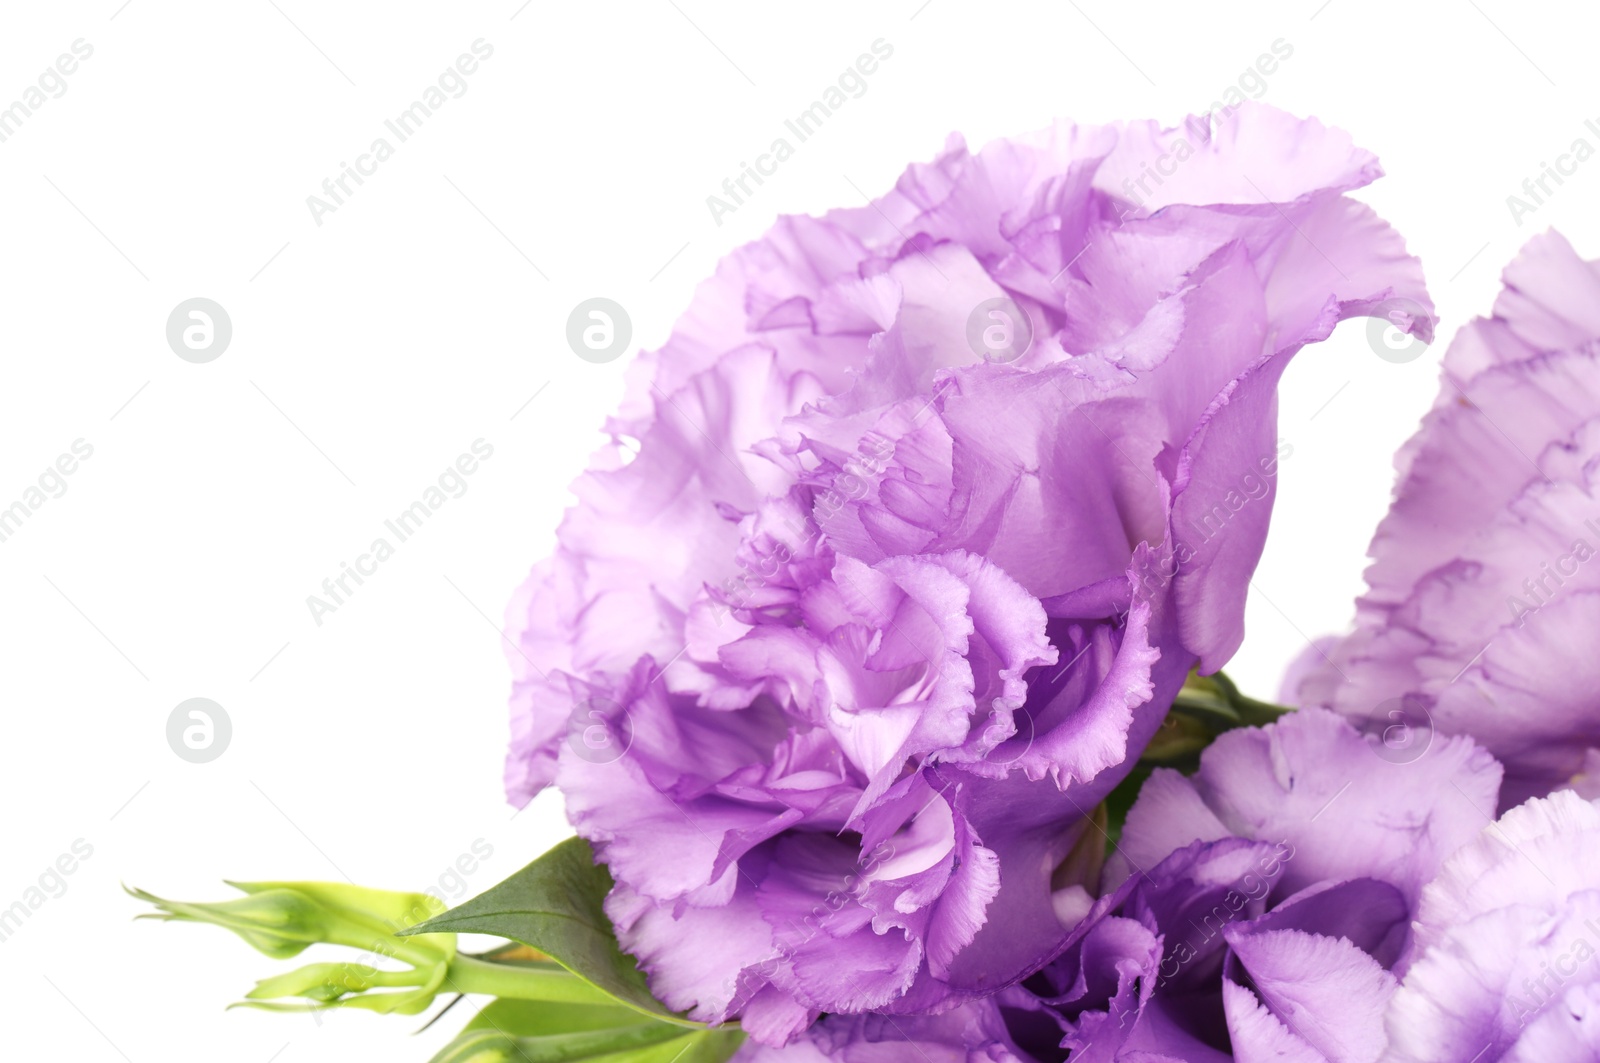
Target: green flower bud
{"points": [[330, 981], [280, 922], [282, 918]]}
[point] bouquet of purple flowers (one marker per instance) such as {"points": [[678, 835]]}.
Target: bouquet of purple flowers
{"points": [[878, 662]]}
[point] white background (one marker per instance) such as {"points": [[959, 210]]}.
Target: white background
{"points": [[369, 351]]}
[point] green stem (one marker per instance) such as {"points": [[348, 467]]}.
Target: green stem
{"points": [[523, 981]]}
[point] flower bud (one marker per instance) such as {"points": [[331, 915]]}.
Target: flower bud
{"points": [[281, 918], [278, 922]]}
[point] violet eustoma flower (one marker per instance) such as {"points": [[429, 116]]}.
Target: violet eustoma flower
{"points": [[1506, 945], [971, 1033], [904, 543], [1484, 592], [1260, 909]]}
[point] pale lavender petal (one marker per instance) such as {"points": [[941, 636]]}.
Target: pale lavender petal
{"points": [[859, 617], [1481, 582]]}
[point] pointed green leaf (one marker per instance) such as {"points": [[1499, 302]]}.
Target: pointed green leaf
{"points": [[555, 905], [1216, 700]]}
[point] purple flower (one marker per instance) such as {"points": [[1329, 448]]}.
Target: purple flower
{"points": [[1260, 909], [972, 1033], [934, 505], [1507, 945], [1483, 591]]}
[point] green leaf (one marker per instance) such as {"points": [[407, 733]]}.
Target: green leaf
{"points": [[1215, 699], [555, 905]]}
